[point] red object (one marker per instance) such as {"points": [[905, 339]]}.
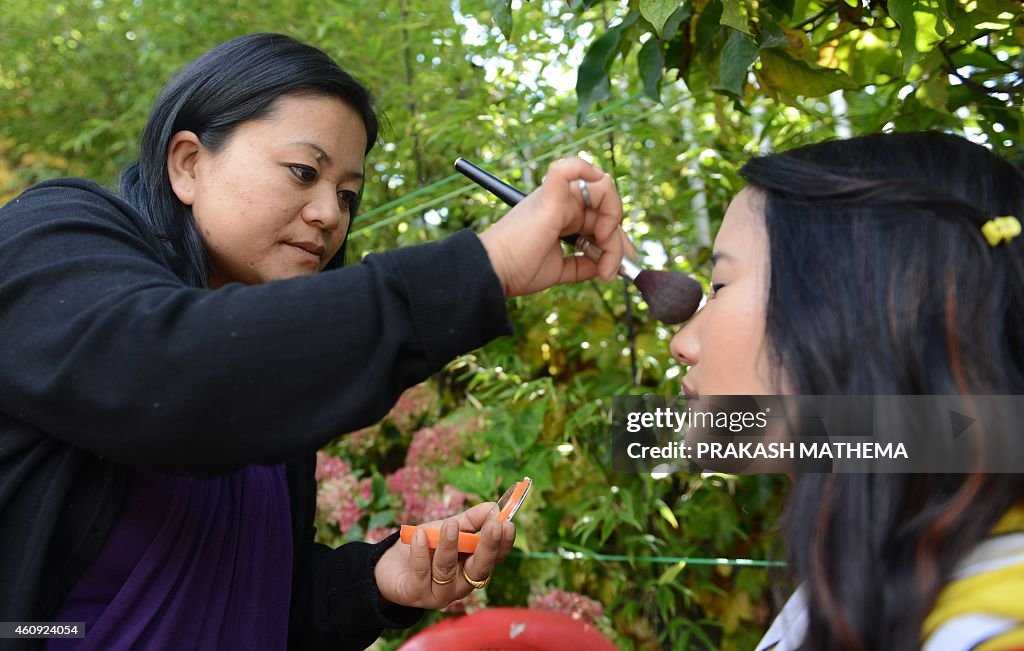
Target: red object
{"points": [[514, 629]]}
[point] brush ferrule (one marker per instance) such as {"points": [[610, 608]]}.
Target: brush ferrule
{"points": [[627, 269]]}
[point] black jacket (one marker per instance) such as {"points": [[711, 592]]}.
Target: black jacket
{"points": [[108, 361]]}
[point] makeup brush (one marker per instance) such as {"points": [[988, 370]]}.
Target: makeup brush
{"points": [[672, 297]]}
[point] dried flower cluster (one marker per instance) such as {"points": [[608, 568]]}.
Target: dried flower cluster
{"points": [[573, 604], [338, 492]]}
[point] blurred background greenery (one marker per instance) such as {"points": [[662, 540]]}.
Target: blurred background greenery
{"points": [[670, 97]]}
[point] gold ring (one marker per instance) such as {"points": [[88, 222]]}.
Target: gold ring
{"points": [[476, 584], [434, 579]]}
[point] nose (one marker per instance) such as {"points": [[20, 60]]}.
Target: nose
{"points": [[324, 210], [685, 344]]}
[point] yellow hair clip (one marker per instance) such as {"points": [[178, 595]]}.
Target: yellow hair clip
{"points": [[1001, 229]]}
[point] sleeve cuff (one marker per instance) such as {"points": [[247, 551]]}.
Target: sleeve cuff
{"points": [[353, 595]]}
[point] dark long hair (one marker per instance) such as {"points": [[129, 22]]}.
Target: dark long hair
{"points": [[882, 283], [234, 82]]}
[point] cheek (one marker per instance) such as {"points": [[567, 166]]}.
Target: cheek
{"points": [[733, 358], [238, 212], [738, 328], [338, 236]]}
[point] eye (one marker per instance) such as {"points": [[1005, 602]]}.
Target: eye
{"points": [[349, 199], [715, 288], [303, 173]]}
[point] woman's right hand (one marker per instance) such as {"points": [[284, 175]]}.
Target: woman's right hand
{"points": [[524, 245]]}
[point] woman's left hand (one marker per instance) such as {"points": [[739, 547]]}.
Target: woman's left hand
{"points": [[413, 575]]}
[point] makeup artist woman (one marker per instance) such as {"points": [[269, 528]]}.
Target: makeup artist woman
{"points": [[172, 358]]}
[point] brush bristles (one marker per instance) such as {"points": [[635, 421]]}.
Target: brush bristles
{"points": [[672, 297]]}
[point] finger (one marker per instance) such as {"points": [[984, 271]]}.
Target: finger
{"points": [[446, 556], [481, 563], [611, 257], [419, 559], [473, 518], [627, 245], [576, 268], [603, 223], [469, 520], [508, 538], [608, 208], [569, 169]]}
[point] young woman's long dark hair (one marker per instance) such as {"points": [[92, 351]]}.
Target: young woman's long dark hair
{"points": [[882, 283], [234, 82]]}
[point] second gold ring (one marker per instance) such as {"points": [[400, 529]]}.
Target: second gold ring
{"points": [[476, 584]]}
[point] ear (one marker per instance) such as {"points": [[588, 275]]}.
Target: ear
{"points": [[182, 156]]}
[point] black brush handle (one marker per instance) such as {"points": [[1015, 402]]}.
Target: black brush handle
{"points": [[509, 194]]}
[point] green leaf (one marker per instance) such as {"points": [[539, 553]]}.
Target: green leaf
{"points": [[501, 10], [872, 111], [968, 23], [666, 601], [773, 36], [739, 53], [796, 77], [784, 6], [592, 83], [657, 12], [708, 24], [871, 58], [469, 477], [734, 14], [678, 16], [381, 519], [934, 94], [923, 25], [651, 62]]}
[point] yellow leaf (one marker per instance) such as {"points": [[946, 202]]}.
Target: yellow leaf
{"points": [[667, 513], [669, 575]]}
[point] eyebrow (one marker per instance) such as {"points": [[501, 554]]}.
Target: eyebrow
{"points": [[323, 155], [720, 255], [320, 153]]}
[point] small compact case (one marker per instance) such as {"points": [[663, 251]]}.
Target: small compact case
{"points": [[507, 507]]}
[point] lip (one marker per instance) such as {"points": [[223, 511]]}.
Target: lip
{"points": [[312, 248], [690, 393]]}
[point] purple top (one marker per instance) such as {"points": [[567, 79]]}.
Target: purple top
{"points": [[190, 564]]}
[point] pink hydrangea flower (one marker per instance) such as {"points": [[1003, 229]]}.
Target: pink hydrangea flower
{"points": [[436, 446], [412, 405], [330, 467], [411, 485], [449, 502], [338, 492], [378, 534], [360, 442], [422, 496], [573, 604]]}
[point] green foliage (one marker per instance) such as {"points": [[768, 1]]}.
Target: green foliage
{"points": [[657, 12], [811, 49]]}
